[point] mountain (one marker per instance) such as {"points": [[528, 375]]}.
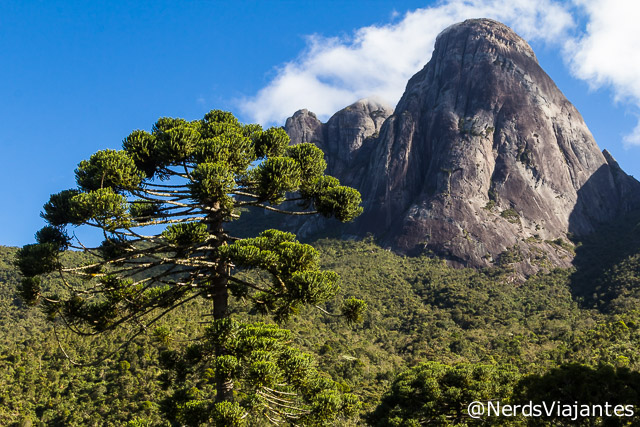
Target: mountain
{"points": [[347, 139], [484, 161]]}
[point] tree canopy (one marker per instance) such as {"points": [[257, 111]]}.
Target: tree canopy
{"points": [[435, 393], [162, 205]]}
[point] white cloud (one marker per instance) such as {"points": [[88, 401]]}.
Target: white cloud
{"points": [[607, 54], [634, 137], [379, 60]]}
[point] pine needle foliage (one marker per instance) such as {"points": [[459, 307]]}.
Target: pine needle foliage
{"points": [[163, 204]]}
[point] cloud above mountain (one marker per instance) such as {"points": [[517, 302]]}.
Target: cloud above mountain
{"points": [[600, 42], [607, 53]]}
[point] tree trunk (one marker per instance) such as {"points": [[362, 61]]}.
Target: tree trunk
{"points": [[224, 384], [220, 294]]}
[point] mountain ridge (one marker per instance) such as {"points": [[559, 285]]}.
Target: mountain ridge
{"points": [[484, 161]]}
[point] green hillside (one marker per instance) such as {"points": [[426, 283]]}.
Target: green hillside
{"points": [[419, 310]]}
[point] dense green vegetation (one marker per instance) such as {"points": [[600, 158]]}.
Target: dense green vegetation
{"points": [[426, 324], [163, 205]]}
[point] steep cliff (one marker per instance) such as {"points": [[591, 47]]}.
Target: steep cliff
{"points": [[483, 161]]}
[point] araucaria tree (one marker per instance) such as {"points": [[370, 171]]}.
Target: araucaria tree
{"points": [[163, 205]]}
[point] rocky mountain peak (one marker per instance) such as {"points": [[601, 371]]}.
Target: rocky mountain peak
{"points": [[346, 133], [496, 36], [484, 160]]}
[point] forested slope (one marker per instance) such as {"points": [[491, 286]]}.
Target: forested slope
{"points": [[419, 310]]}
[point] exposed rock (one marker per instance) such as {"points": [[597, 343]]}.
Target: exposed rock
{"points": [[347, 140], [304, 126], [348, 133], [484, 160]]}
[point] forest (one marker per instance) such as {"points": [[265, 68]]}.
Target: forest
{"points": [[432, 339]]}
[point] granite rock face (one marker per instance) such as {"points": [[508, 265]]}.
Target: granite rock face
{"points": [[484, 160], [348, 135]]}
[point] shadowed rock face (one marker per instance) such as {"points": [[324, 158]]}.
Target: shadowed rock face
{"points": [[483, 159]]}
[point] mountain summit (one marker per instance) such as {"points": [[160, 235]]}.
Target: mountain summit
{"points": [[483, 161]]}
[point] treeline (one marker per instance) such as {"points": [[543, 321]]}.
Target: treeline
{"points": [[430, 337]]}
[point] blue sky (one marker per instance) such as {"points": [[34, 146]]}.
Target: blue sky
{"points": [[78, 77]]}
